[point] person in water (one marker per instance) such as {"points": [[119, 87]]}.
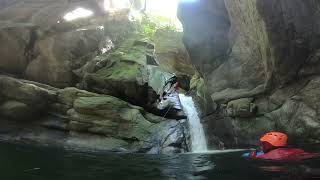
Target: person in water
{"points": [[274, 146]]}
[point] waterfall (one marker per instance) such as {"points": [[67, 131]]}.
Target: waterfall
{"points": [[198, 139]]}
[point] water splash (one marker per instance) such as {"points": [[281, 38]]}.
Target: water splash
{"points": [[198, 139]]}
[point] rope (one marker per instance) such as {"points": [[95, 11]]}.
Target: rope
{"points": [[172, 106], [166, 112]]}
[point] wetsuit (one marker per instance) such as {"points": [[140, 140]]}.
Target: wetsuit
{"points": [[282, 154]]}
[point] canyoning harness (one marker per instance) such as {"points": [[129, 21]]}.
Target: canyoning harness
{"points": [[168, 84], [171, 99]]}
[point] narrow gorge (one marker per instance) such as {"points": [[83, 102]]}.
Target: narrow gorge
{"points": [[93, 75]]}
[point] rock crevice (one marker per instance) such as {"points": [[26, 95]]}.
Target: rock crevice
{"points": [[271, 57]]}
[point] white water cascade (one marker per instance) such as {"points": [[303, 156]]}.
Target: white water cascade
{"points": [[198, 139]]}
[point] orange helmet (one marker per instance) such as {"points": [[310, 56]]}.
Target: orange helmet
{"points": [[276, 139]]}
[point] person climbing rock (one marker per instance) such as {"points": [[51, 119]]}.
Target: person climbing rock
{"points": [[170, 86], [169, 101], [274, 146]]}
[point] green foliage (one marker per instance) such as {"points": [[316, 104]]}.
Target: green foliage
{"points": [[151, 24]]}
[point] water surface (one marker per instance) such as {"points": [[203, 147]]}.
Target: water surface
{"points": [[39, 163]]}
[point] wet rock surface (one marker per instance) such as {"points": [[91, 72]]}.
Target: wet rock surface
{"points": [[257, 70], [43, 46], [259, 62], [87, 81], [80, 116]]}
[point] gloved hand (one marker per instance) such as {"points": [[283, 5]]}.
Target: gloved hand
{"points": [[254, 153]]}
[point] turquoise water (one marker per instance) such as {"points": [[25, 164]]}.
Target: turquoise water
{"points": [[39, 163]]}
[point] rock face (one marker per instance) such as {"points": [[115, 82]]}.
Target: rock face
{"points": [[122, 73], [40, 45], [171, 53], [257, 63], [17, 110], [106, 55], [84, 114], [36, 97], [265, 51], [112, 117]]}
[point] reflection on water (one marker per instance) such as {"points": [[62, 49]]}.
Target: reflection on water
{"points": [[38, 163]]}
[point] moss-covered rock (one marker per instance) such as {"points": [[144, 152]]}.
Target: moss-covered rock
{"points": [[197, 84], [112, 117], [80, 112], [67, 96], [120, 71], [87, 104], [42, 46], [123, 73]]}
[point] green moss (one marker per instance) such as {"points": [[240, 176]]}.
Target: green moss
{"points": [[128, 51], [197, 83], [136, 53], [120, 71], [129, 56], [88, 103], [126, 62], [128, 43]]}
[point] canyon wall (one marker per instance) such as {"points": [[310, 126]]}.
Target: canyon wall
{"points": [[260, 63]]}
